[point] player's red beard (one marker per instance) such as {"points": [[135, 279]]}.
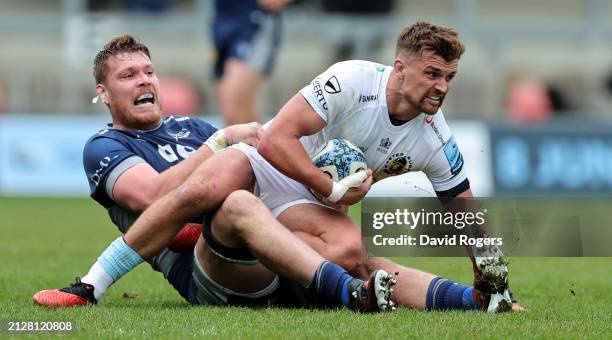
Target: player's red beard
{"points": [[132, 117]]}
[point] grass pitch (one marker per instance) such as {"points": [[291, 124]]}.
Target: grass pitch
{"points": [[47, 242]]}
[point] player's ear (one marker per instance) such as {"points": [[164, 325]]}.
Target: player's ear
{"points": [[101, 91], [398, 65]]}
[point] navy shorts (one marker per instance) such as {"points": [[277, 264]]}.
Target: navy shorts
{"points": [[253, 38]]}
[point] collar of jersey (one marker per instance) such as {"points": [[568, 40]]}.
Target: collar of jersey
{"points": [[398, 128], [111, 127]]}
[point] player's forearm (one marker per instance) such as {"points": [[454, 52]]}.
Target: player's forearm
{"points": [[288, 156], [176, 175]]}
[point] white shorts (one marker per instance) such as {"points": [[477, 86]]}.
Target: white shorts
{"points": [[277, 191]]}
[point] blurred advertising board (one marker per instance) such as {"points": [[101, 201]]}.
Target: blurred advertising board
{"points": [[563, 159], [42, 154]]}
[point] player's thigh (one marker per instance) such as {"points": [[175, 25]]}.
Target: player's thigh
{"points": [[217, 177], [329, 232], [241, 77]]}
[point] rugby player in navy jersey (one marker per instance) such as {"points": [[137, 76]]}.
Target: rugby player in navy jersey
{"points": [[141, 156], [246, 35], [331, 233]]}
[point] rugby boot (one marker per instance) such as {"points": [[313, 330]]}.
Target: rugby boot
{"points": [[487, 303], [373, 295], [77, 294], [491, 278]]}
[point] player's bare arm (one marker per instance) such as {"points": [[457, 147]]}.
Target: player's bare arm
{"points": [[141, 185], [280, 145]]}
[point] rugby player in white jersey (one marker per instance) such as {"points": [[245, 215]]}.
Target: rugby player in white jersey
{"points": [[393, 113], [331, 233]]}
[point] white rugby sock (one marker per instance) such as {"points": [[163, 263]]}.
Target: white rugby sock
{"points": [[99, 278]]}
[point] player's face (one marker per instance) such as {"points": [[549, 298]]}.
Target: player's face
{"points": [[132, 91], [427, 79]]}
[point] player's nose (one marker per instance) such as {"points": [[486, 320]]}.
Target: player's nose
{"points": [[442, 86], [143, 79]]}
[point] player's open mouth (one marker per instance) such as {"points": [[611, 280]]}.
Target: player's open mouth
{"points": [[146, 98], [436, 99]]}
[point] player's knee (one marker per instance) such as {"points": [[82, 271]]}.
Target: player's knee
{"points": [[350, 254], [195, 193], [240, 206]]}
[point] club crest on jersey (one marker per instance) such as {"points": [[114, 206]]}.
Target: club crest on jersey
{"points": [[385, 144], [398, 164], [184, 133], [332, 85]]}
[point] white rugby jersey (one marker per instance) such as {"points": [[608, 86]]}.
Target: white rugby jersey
{"points": [[351, 97]]}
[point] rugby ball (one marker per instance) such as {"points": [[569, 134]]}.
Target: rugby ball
{"points": [[339, 158]]}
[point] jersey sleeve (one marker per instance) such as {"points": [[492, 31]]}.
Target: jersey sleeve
{"points": [[445, 168], [104, 160], [332, 92]]}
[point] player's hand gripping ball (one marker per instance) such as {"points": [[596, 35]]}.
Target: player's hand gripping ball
{"points": [[339, 158]]}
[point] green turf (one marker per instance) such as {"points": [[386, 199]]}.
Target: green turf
{"points": [[46, 242]]}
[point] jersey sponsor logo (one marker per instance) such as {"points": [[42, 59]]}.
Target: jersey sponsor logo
{"points": [[367, 98], [453, 155], [332, 85], [385, 144], [319, 94], [437, 132], [397, 164], [104, 163]]}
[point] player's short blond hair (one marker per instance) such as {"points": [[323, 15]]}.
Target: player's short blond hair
{"points": [[122, 44], [427, 37]]}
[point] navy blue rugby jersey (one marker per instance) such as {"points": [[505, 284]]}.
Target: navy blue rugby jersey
{"points": [[235, 8], [110, 152]]}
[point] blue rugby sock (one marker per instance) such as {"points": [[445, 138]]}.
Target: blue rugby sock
{"points": [[446, 294], [119, 258], [332, 281]]}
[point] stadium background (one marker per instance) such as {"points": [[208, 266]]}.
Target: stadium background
{"points": [[534, 86], [531, 108]]}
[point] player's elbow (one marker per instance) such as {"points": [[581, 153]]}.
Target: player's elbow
{"points": [[266, 146]]}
